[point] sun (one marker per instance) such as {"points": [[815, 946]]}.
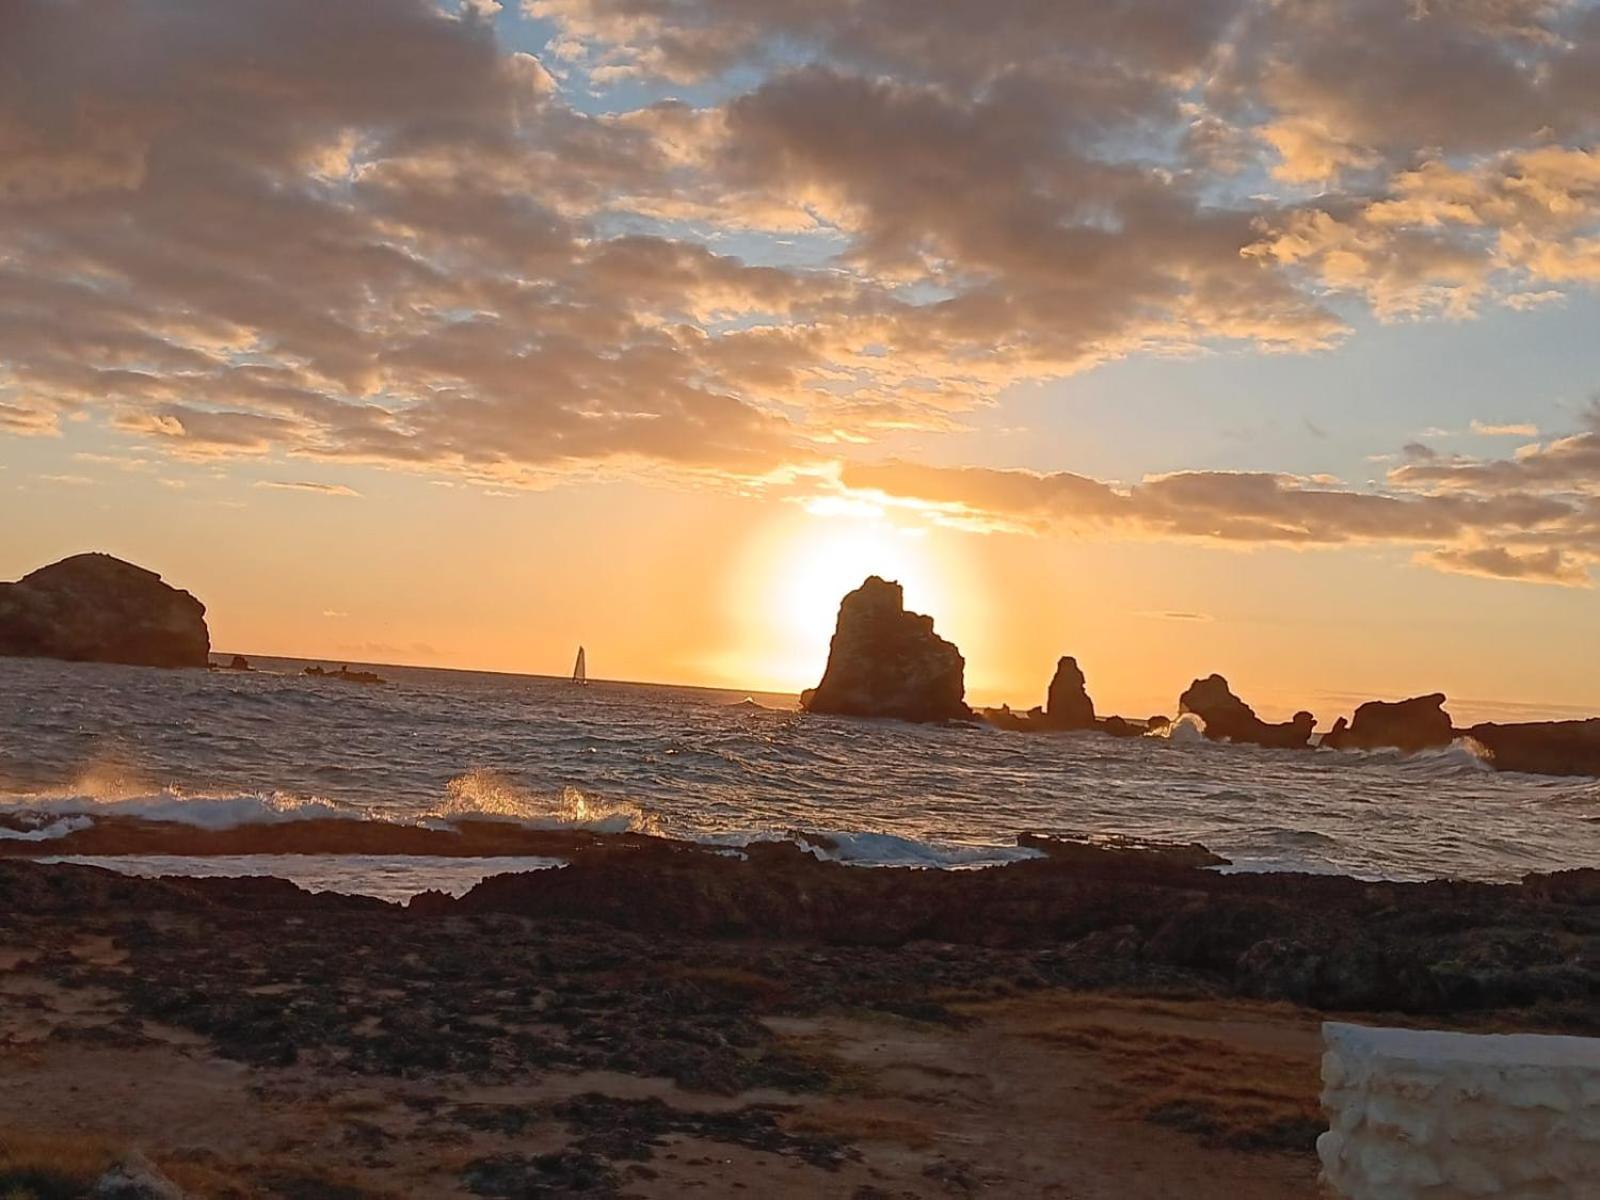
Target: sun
{"points": [[796, 571]]}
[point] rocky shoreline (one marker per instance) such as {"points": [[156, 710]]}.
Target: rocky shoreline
{"points": [[657, 1017], [1115, 914]]}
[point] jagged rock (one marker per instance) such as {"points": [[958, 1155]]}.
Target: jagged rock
{"points": [[96, 608], [1413, 724], [135, 1177], [1542, 747], [887, 662], [1228, 717], [1067, 705]]}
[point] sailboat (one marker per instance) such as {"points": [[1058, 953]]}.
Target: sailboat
{"points": [[580, 669]]}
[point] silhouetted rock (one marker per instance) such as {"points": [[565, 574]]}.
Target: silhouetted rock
{"points": [[345, 675], [1157, 723], [96, 608], [1213, 701], [887, 662], [1119, 727], [1542, 747], [1067, 704], [1228, 717], [239, 663], [1413, 724]]}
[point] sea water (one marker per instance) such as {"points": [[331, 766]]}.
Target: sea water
{"points": [[224, 748]]}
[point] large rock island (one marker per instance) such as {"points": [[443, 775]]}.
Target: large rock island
{"points": [[1410, 725], [887, 662], [96, 608]]}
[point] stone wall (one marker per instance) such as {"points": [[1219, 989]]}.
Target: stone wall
{"points": [[1427, 1115]]}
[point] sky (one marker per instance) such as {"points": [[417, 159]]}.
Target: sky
{"points": [[1252, 336]]}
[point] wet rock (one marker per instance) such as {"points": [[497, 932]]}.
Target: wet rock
{"points": [[1119, 727], [1409, 725], [1542, 747], [887, 662], [1068, 705], [1229, 718], [1107, 848], [95, 608], [515, 1176], [239, 663]]}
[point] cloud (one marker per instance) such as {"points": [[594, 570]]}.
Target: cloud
{"points": [[321, 489], [374, 232], [1488, 429], [1532, 517]]}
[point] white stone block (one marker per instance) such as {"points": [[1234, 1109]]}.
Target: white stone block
{"points": [[1431, 1115]]}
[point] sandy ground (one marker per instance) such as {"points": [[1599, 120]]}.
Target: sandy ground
{"points": [[1051, 1094]]}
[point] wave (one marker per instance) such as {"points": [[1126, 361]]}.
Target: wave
{"points": [[32, 827], [175, 806], [489, 794], [1464, 755]]}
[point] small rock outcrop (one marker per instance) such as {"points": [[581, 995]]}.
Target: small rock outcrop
{"points": [[1067, 705], [1542, 747], [96, 608], [887, 662], [345, 675], [1414, 724], [1228, 717]]}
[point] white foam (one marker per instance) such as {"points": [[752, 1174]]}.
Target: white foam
{"points": [[891, 850], [43, 830], [1189, 728], [388, 877]]}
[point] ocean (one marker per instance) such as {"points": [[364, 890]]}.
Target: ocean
{"points": [[231, 748]]}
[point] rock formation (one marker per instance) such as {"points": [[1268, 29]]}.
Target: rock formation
{"points": [[1228, 717], [1067, 705], [95, 608], [1413, 724], [1542, 747], [887, 662]]}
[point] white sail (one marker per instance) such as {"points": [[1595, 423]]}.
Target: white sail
{"points": [[580, 670]]}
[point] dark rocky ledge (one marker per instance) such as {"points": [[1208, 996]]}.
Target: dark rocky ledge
{"points": [[1106, 915]]}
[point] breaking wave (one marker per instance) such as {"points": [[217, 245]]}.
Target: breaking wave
{"points": [[488, 794]]}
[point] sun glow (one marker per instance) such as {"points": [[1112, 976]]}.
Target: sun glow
{"points": [[791, 578]]}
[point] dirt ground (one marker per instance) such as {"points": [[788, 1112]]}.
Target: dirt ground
{"points": [[1043, 1093]]}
